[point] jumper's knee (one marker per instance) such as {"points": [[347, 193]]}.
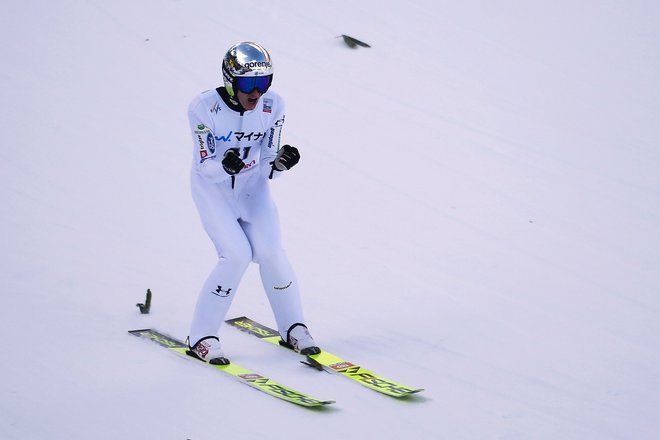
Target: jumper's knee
{"points": [[269, 254], [238, 255]]}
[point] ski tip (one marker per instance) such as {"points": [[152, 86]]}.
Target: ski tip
{"points": [[320, 404], [411, 392]]}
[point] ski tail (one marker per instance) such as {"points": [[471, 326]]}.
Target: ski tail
{"points": [[262, 332]]}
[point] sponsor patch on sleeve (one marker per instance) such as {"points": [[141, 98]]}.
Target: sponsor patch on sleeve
{"points": [[205, 141]]}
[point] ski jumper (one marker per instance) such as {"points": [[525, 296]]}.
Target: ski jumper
{"points": [[237, 211]]}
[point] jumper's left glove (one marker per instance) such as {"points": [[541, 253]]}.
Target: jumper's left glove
{"points": [[287, 157]]}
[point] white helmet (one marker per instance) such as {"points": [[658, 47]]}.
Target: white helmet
{"points": [[247, 59]]}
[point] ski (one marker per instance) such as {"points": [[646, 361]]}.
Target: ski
{"points": [[328, 362], [243, 375]]}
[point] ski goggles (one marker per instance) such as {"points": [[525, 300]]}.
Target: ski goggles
{"points": [[247, 84]]}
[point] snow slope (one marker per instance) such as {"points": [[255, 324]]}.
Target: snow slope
{"points": [[478, 197]]}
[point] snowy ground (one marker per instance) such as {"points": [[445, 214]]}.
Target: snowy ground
{"points": [[478, 197]]}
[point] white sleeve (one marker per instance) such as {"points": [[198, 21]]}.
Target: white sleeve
{"points": [[272, 141], [205, 160]]}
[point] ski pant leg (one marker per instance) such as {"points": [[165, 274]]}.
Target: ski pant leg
{"points": [[262, 227], [219, 216]]}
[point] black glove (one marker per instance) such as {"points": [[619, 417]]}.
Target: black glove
{"points": [[232, 163], [287, 157]]}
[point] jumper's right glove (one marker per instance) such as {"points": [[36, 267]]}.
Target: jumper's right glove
{"points": [[287, 157], [232, 163]]}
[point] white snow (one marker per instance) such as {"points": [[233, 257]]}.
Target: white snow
{"points": [[476, 212]]}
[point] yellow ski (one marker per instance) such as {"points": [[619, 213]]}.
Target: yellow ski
{"points": [[248, 377], [328, 361]]}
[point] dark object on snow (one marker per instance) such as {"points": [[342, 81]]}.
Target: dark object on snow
{"points": [[144, 308], [353, 42]]}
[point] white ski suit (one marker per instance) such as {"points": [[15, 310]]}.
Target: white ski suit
{"points": [[237, 212]]}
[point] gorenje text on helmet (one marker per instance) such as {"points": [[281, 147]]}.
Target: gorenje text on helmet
{"points": [[253, 64]]}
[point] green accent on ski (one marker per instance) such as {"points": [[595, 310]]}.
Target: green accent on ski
{"points": [[329, 362], [243, 375]]}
